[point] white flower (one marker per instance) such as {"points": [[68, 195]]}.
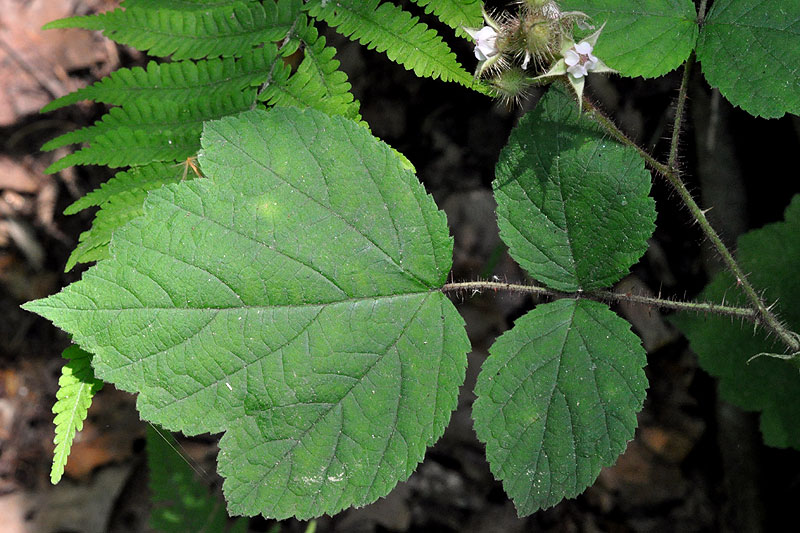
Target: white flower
{"points": [[576, 62], [485, 42], [580, 60]]}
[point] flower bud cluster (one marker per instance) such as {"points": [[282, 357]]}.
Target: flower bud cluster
{"points": [[534, 42]]}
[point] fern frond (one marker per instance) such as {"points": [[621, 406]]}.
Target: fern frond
{"points": [[455, 13], [76, 388], [181, 5], [182, 81], [93, 243], [158, 116], [317, 83], [121, 199], [230, 29], [388, 28], [130, 147], [146, 132], [137, 178]]}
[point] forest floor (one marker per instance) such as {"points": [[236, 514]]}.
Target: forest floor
{"points": [[696, 464]]}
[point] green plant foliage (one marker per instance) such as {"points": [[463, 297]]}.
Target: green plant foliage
{"points": [[180, 82], [317, 83], [164, 106], [225, 29], [765, 384], [642, 37], [748, 50], [120, 199], [387, 28], [289, 301], [557, 400], [125, 146], [455, 13], [76, 388], [572, 205], [145, 177], [161, 119], [181, 501], [183, 5]]}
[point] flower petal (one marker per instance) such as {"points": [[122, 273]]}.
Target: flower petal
{"points": [[584, 48], [571, 58]]}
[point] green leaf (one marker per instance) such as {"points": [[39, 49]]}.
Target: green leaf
{"points": [[317, 82], [161, 118], [181, 501], [289, 301], [455, 13], [126, 146], [76, 388], [133, 180], [572, 204], [224, 29], [642, 37], [182, 5], [146, 132], [557, 400], [388, 28], [181, 82], [766, 385], [748, 50], [121, 199]]}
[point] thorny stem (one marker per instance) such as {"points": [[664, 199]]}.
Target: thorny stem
{"points": [[605, 296], [763, 312]]}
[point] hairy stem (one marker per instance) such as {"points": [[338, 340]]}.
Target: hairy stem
{"points": [[474, 287], [763, 312], [701, 13], [680, 107]]}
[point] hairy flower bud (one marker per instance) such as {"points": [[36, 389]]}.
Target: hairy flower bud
{"points": [[511, 85]]}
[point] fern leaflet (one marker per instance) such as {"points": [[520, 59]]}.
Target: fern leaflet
{"points": [[130, 147], [179, 82], [121, 199], [182, 5], [455, 13], [230, 29], [317, 83], [387, 28], [76, 388], [158, 117], [147, 132], [138, 178]]}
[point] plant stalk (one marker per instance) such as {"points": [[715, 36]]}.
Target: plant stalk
{"points": [[475, 287], [763, 312]]}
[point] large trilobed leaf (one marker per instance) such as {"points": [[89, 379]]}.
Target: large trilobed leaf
{"points": [[290, 301], [766, 385], [557, 400], [642, 37], [748, 50], [572, 204]]}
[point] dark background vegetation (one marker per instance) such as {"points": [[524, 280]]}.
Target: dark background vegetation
{"points": [[696, 464]]}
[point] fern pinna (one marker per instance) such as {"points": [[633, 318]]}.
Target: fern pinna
{"points": [[224, 57]]}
